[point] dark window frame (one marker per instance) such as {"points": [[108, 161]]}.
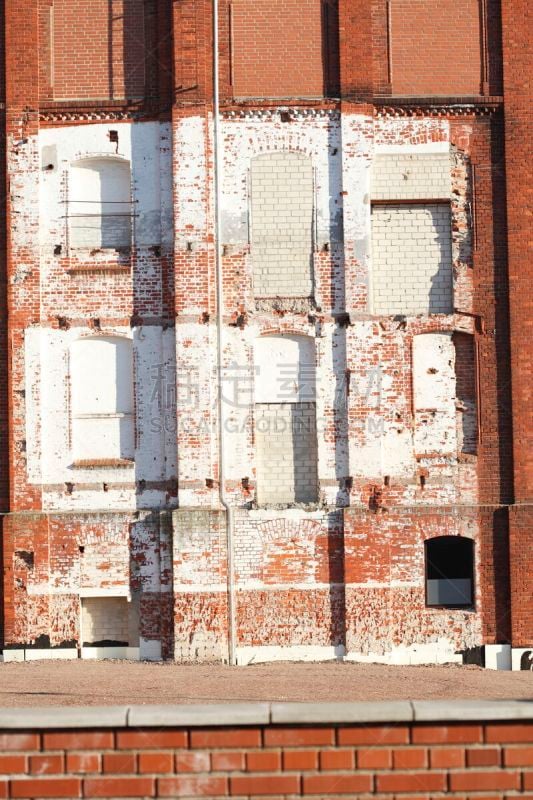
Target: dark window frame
{"points": [[459, 542]]}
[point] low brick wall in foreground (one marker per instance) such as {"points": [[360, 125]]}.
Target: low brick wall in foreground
{"points": [[408, 751]]}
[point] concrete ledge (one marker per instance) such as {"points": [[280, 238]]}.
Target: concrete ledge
{"points": [[478, 710], [197, 715], [61, 717], [395, 711], [242, 714]]}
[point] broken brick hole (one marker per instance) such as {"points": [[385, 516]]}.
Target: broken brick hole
{"points": [[26, 556]]}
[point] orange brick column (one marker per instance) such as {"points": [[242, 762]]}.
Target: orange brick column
{"points": [[355, 48], [519, 130]]}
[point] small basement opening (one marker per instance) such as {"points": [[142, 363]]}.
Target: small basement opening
{"points": [[105, 622], [449, 572]]}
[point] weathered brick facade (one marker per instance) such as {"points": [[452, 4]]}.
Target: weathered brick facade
{"points": [[362, 379]]}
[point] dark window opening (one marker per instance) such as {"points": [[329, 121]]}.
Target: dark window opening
{"points": [[466, 392], [449, 572]]}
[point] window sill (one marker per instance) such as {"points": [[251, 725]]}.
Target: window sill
{"points": [[103, 463], [88, 268], [309, 507]]}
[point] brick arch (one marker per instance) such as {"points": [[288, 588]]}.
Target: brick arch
{"points": [[294, 329], [275, 529], [282, 143], [289, 148]]}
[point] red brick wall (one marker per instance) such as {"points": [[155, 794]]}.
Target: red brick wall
{"points": [[277, 48], [57, 547], [192, 51], [518, 152], [482, 144], [381, 760], [435, 47], [355, 39], [98, 49], [4, 428]]}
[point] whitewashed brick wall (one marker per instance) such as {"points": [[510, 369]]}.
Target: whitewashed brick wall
{"points": [[105, 618], [434, 390], [412, 259], [282, 224], [411, 176], [286, 442]]}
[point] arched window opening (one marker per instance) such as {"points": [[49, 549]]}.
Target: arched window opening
{"points": [[282, 204], [100, 210], [285, 420], [449, 572], [102, 405]]}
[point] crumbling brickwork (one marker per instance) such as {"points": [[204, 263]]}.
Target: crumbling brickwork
{"points": [[367, 259]]}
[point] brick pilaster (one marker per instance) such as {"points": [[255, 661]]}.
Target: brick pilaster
{"points": [[518, 132]]}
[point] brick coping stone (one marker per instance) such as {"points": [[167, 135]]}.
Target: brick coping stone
{"points": [[240, 714]]}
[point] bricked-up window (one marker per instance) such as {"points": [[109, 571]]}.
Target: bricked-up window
{"points": [[412, 258], [466, 392], [109, 621], [99, 204], [105, 622], [284, 48], [435, 47], [285, 420], [282, 203], [449, 572], [102, 408], [434, 392], [98, 49]]}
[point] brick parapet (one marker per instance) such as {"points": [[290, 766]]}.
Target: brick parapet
{"points": [[260, 749]]}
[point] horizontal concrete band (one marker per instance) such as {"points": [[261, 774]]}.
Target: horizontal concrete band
{"points": [[239, 714]]}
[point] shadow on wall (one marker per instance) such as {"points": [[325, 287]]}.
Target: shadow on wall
{"points": [[155, 375], [336, 568], [440, 300], [330, 47], [126, 63]]}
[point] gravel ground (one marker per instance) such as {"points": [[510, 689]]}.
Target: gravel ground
{"points": [[127, 682]]}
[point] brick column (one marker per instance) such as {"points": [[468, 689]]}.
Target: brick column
{"points": [[19, 23], [22, 218], [4, 405], [355, 48], [518, 133]]}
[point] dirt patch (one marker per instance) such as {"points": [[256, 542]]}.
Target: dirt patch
{"points": [[127, 682]]}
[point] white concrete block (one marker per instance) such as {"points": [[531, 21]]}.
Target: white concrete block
{"points": [[13, 655], [498, 656], [51, 654]]}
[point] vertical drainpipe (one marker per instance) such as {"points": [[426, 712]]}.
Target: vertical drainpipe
{"points": [[217, 154]]}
